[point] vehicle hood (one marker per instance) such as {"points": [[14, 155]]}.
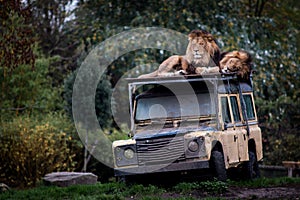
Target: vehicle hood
{"points": [[145, 134]]}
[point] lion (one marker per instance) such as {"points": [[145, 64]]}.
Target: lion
{"points": [[202, 56], [238, 62]]}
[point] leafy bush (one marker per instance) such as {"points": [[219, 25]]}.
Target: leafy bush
{"points": [[28, 91], [279, 121], [32, 147]]}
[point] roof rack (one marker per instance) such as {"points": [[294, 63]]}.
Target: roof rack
{"points": [[182, 78]]}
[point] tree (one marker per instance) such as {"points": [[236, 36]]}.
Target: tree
{"points": [[102, 100], [51, 22], [17, 36]]}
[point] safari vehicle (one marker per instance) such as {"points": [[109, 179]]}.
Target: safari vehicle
{"points": [[184, 123]]}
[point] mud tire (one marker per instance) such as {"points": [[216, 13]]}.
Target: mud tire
{"points": [[252, 169], [218, 166]]}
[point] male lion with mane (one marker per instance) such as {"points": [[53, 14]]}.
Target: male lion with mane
{"points": [[202, 56]]}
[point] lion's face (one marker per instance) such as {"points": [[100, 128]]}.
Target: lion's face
{"points": [[202, 49], [236, 65], [236, 61], [232, 65]]}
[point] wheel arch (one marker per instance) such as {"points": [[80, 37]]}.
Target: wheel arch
{"points": [[217, 146]]}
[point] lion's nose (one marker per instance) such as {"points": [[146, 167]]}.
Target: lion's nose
{"points": [[225, 70]]}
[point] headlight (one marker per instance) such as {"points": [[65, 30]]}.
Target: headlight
{"points": [[125, 155], [193, 146], [129, 153]]}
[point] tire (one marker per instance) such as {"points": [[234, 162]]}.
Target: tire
{"points": [[218, 166], [252, 170]]}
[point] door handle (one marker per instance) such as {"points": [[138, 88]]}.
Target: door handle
{"points": [[235, 138]]}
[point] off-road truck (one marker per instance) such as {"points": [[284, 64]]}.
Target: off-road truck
{"points": [[184, 123]]}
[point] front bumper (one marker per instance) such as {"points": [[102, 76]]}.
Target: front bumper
{"points": [[180, 166]]}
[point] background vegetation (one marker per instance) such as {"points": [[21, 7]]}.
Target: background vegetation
{"points": [[42, 43]]}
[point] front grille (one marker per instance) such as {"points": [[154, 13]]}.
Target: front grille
{"points": [[160, 150]]}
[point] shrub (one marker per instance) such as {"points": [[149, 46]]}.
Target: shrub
{"points": [[279, 121], [32, 147]]}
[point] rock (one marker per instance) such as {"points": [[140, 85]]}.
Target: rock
{"points": [[3, 187], [65, 179]]}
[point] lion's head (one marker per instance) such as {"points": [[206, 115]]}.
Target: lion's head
{"points": [[236, 61], [202, 50]]}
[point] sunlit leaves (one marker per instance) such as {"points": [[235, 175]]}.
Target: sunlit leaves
{"points": [[31, 147]]}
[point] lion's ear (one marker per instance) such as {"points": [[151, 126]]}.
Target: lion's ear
{"points": [[191, 36]]}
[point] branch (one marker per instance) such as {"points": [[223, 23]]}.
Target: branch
{"points": [[262, 5]]}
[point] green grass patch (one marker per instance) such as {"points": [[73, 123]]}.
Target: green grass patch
{"points": [[266, 182], [116, 191], [212, 187], [86, 192]]}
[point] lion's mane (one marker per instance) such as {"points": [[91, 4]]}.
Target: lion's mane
{"points": [[206, 45]]}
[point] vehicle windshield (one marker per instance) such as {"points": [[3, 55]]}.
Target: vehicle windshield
{"points": [[183, 106]]}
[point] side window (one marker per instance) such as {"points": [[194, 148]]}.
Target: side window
{"points": [[235, 109], [249, 106], [225, 110]]}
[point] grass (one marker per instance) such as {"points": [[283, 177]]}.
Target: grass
{"points": [[114, 190], [212, 187], [86, 192], [266, 182]]}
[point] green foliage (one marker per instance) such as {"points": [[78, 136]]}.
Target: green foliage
{"points": [[215, 187], [17, 36], [280, 127], [212, 187], [28, 90], [265, 182], [184, 188], [122, 191], [33, 146], [99, 191], [254, 26], [102, 100], [50, 20]]}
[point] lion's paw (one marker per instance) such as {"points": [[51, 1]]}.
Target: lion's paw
{"points": [[200, 70]]}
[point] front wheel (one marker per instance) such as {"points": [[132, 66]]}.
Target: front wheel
{"points": [[252, 166], [218, 165]]}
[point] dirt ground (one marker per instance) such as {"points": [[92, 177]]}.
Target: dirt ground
{"points": [[282, 192], [288, 192]]}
